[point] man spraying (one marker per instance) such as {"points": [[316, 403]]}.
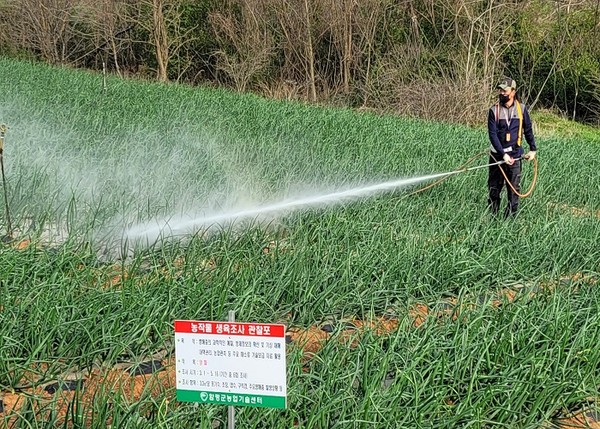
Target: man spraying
{"points": [[508, 122]]}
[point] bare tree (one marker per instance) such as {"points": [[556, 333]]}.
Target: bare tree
{"points": [[301, 29], [106, 25], [160, 39], [309, 48], [340, 17], [246, 44], [161, 21], [371, 17], [43, 27], [353, 25]]}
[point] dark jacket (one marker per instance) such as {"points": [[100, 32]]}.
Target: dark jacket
{"points": [[500, 128]]}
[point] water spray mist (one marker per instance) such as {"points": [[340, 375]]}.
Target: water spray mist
{"points": [[153, 230]]}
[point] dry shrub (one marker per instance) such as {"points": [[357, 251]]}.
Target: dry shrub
{"points": [[247, 48], [443, 100], [410, 84], [283, 89], [41, 26]]}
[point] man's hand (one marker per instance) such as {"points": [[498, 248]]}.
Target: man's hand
{"points": [[530, 156], [508, 159]]}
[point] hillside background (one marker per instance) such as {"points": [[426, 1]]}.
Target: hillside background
{"points": [[434, 59]]}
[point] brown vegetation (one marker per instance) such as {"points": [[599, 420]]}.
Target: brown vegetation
{"points": [[432, 59]]}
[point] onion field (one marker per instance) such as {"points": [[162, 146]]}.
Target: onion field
{"points": [[403, 309]]}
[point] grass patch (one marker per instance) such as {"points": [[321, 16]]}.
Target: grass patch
{"points": [[84, 165]]}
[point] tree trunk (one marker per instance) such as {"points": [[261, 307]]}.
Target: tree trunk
{"points": [[161, 42], [347, 61], [310, 55]]}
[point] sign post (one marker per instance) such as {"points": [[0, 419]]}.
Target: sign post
{"points": [[230, 409], [229, 363]]}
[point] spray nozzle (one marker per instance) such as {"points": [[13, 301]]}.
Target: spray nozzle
{"points": [[3, 129]]}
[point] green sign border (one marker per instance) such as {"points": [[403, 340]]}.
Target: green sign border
{"points": [[203, 397]]}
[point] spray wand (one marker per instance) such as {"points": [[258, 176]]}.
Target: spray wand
{"points": [[465, 167], [8, 235]]}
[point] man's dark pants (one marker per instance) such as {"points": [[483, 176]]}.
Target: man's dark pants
{"points": [[496, 182]]}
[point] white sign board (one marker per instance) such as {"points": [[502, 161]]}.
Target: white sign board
{"points": [[240, 364]]}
